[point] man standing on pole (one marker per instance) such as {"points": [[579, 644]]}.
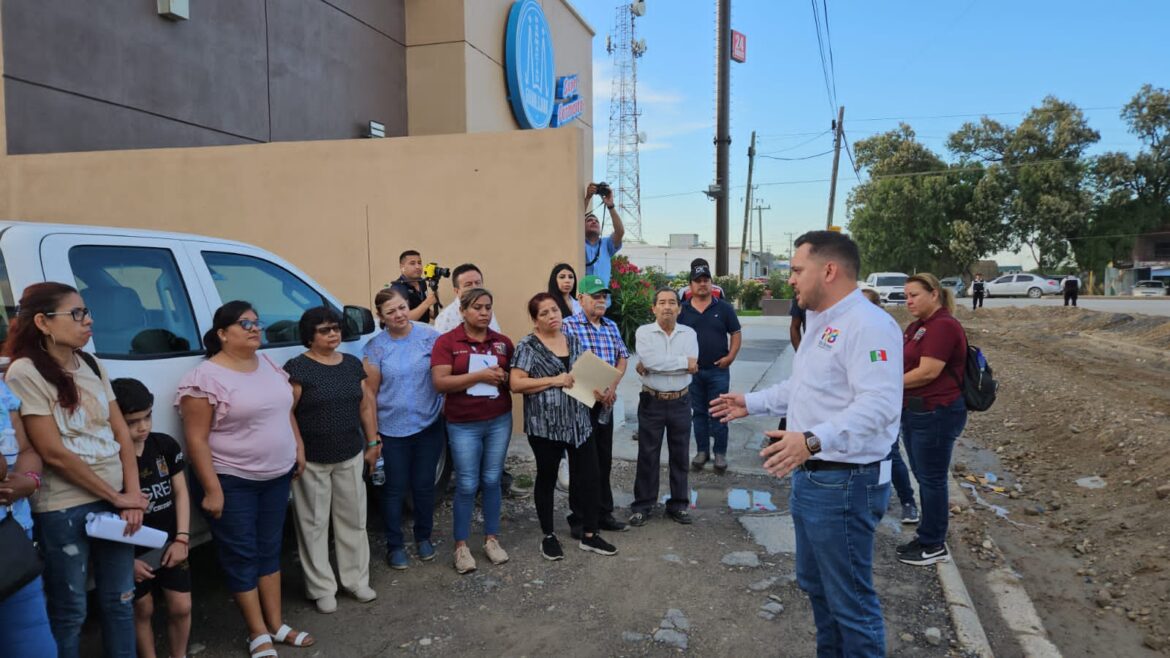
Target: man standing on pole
{"points": [[718, 330], [844, 403]]}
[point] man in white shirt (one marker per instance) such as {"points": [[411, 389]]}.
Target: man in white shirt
{"points": [[668, 354], [1070, 286], [463, 278], [844, 403]]}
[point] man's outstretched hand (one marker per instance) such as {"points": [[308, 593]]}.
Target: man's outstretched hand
{"points": [[728, 407]]}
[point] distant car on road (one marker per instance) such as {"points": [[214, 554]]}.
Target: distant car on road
{"points": [[1150, 288], [955, 283], [890, 286], [1022, 285]]}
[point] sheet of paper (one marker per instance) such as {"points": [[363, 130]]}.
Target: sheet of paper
{"points": [[590, 373], [482, 362]]}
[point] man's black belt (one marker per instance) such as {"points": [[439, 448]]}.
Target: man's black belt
{"points": [[822, 465]]}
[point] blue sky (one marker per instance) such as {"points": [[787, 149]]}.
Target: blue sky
{"points": [[893, 59]]}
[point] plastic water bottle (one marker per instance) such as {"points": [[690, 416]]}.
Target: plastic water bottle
{"points": [[378, 476]]}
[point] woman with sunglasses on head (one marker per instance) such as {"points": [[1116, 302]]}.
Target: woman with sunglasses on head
{"points": [[562, 285], [74, 423], [245, 449], [335, 415]]}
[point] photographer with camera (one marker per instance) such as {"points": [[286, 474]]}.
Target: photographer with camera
{"points": [[599, 251], [420, 287]]}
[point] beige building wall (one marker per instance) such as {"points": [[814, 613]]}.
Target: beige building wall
{"points": [[340, 210], [455, 66]]}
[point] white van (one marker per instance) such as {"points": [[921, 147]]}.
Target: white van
{"points": [[153, 294]]}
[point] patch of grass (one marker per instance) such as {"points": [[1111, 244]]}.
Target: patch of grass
{"points": [[749, 313]]}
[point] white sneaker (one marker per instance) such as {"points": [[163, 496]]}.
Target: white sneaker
{"points": [[327, 605]]}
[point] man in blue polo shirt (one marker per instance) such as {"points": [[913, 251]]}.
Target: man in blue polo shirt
{"points": [[718, 330], [599, 251]]}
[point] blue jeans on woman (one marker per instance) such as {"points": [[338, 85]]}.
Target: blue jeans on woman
{"points": [[68, 551], [930, 437], [250, 531], [478, 450], [410, 463], [900, 475], [835, 514]]}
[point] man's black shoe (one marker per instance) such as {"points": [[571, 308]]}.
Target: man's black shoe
{"points": [[610, 524], [550, 548], [926, 555], [596, 544], [576, 531], [699, 460], [638, 519], [680, 516], [909, 547]]}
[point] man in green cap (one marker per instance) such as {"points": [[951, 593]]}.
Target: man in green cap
{"points": [[601, 336]]}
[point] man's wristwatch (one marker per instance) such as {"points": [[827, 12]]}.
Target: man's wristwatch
{"points": [[812, 442]]}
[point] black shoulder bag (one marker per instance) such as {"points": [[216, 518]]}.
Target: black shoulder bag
{"points": [[22, 560]]}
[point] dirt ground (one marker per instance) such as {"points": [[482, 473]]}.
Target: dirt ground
{"points": [[1082, 394], [587, 605]]}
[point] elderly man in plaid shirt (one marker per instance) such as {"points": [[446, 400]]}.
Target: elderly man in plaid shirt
{"points": [[600, 335]]}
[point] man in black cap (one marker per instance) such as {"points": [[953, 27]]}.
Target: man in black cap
{"points": [[718, 330], [684, 292]]}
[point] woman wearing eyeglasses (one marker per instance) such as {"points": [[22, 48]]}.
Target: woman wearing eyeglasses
{"points": [[74, 423], [336, 417], [243, 443]]}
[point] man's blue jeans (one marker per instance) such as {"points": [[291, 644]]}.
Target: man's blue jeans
{"points": [[478, 450], [836, 513], [410, 463], [930, 437], [68, 551], [706, 385]]}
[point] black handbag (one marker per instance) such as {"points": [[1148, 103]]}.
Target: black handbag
{"points": [[22, 560]]}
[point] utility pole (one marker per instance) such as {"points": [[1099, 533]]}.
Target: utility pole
{"points": [[760, 220], [747, 205], [838, 130], [723, 137], [789, 235]]}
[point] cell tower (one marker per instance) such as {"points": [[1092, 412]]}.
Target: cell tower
{"points": [[622, 159]]}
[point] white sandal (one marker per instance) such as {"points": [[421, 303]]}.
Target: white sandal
{"points": [[297, 641], [262, 638]]}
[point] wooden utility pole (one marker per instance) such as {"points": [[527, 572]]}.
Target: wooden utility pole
{"points": [[747, 205], [723, 139], [838, 130], [760, 220]]}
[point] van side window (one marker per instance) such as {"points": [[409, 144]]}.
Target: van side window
{"points": [[138, 300], [279, 296]]}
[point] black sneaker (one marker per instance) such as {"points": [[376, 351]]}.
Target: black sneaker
{"points": [[699, 460], [596, 544], [911, 546], [926, 555], [611, 524], [550, 548], [680, 516], [576, 531], [638, 519], [909, 513]]}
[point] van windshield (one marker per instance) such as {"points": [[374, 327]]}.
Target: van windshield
{"points": [[896, 280]]}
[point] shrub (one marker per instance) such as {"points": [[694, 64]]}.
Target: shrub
{"points": [[731, 287], [633, 295], [750, 296], [778, 284]]}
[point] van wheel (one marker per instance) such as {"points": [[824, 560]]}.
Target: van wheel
{"points": [[1035, 293]]}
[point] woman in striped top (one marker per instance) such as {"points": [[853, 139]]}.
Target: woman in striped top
{"points": [[555, 422]]}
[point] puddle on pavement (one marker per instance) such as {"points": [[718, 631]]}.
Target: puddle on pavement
{"points": [[753, 500], [1001, 512], [694, 498]]}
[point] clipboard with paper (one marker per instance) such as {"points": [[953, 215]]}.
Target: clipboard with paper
{"points": [[590, 373]]}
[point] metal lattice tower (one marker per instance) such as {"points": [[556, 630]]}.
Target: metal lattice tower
{"points": [[622, 158]]}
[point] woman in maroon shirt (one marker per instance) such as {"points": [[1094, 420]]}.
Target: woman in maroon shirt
{"points": [[933, 412]]}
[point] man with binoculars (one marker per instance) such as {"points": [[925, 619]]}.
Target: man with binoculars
{"points": [[420, 297]]}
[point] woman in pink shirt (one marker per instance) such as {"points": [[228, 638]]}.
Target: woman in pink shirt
{"points": [[244, 446]]}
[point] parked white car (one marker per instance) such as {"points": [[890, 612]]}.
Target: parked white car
{"points": [[153, 294], [1150, 288], [890, 286], [1022, 285]]}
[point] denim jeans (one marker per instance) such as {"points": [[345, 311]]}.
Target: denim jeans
{"points": [[706, 385], [835, 514], [900, 475], [930, 439], [250, 531], [68, 552], [24, 623], [478, 450], [410, 463]]}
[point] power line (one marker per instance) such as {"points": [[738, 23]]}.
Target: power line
{"points": [[734, 187], [807, 157], [804, 143], [955, 170], [978, 114], [829, 41], [849, 152], [829, 86]]}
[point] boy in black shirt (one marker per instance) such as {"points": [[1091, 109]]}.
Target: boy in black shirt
{"points": [[160, 474]]}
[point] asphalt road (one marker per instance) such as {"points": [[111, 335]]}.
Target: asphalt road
{"points": [[1143, 305]]}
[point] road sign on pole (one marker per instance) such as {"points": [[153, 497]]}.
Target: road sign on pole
{"points": [[738, 46]]}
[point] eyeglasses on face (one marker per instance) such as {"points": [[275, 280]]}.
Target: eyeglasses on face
{"points": [[250, 325], [78, 314], [327, 329]]}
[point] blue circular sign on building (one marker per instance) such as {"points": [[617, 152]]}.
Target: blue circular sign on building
{"points": [[528, 65]]}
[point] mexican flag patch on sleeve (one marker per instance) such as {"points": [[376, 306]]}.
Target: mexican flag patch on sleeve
{"points": [[877, 355]]}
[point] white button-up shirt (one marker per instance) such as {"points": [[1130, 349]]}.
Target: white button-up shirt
{"points": [[662, 353], [846, 383], [450, 317]]}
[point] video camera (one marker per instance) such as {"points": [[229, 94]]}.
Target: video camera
{"points": [[432, 272]]}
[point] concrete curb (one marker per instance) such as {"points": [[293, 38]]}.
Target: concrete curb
{"points": [[1011, 600]]}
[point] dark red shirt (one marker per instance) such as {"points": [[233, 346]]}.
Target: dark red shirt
{"points": [[454, 349], [939, 337]]}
